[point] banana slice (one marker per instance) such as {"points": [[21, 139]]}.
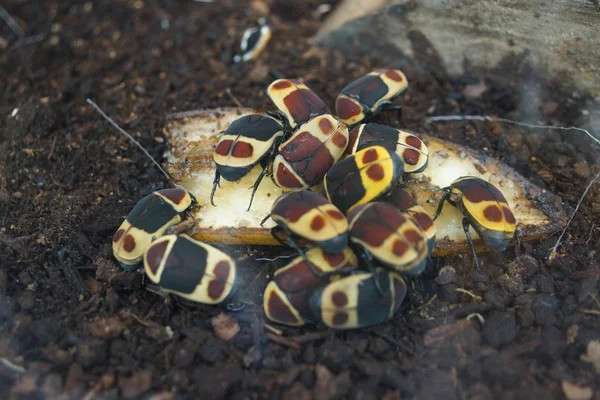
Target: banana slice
{"points": [[193, 136]]}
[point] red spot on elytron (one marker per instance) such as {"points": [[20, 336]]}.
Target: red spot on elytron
{"points": [[372, 234], [346, 108], [302, 104], [216, 289], [402, 199], [339, 299], [393, 75], [279, 310], [285, 178], [129, 243], [334, 260], [118, 235], [223, 147], [369, 156], [325, 125], [176, 195], [492, 213], [399, 247], [297, 277], [414, 141], [410, 156], [335, 214], [509, 216], [424, 220], [156, 254], [477, 190], [339, 140], [317, 223], [222, 269], [340, 319], [243, 150], [282, 84], [376, 172], [413, 236], [352, 138]]}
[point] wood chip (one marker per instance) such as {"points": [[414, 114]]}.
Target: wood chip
{"points": [[574, 392], [225, 327]]}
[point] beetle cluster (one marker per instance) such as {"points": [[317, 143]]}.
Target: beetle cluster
{"points": [[357, 237]]}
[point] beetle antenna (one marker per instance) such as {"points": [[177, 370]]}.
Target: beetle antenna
{"points": [[113, 123]]}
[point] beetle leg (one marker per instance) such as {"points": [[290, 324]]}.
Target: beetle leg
{"points": [[234, 307], [368, 259], [265, 220], [441, 204], [264, 164], [216, 182], [518, 246], [290, 241], [466, 224]]}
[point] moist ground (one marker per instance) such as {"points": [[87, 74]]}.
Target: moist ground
{"points": [[77, 324]]}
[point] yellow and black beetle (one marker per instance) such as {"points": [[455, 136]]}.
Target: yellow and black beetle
{"points": [[148, 220], [312, 217], [369, 94], [191, 269], [304, 159], [409, 147], [295, 101], [383, 232], [249, 140], [484, 208], [362, 177], [254, 41], [407, 204], [356, 301], [287, 297]]}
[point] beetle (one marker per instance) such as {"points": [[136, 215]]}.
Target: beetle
{"points": [[191, 269], [304, 159], [149, 219], [408, 146], [356, 302], [382, 232], [407, 204], [369, 94], [362, 177], [254, 41], [295, 101], [249, 140], [485, 208], [311, 216], [287, 297]]}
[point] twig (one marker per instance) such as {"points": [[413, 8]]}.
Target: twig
{"points": [[589, 311], [585, 192], [30, 40], [233, 98], [113, 123], [276, 258], [283, 341], [473, 295], [507, 121], [476, 316], [311, 337], [13, 367], [12, 24], [276, 331], [428, 302], [393, 341]]}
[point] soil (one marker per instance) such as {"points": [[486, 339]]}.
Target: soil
{"points": [[72, 324]]}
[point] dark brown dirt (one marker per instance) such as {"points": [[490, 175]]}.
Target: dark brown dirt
{"points": [[72, 323]]}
